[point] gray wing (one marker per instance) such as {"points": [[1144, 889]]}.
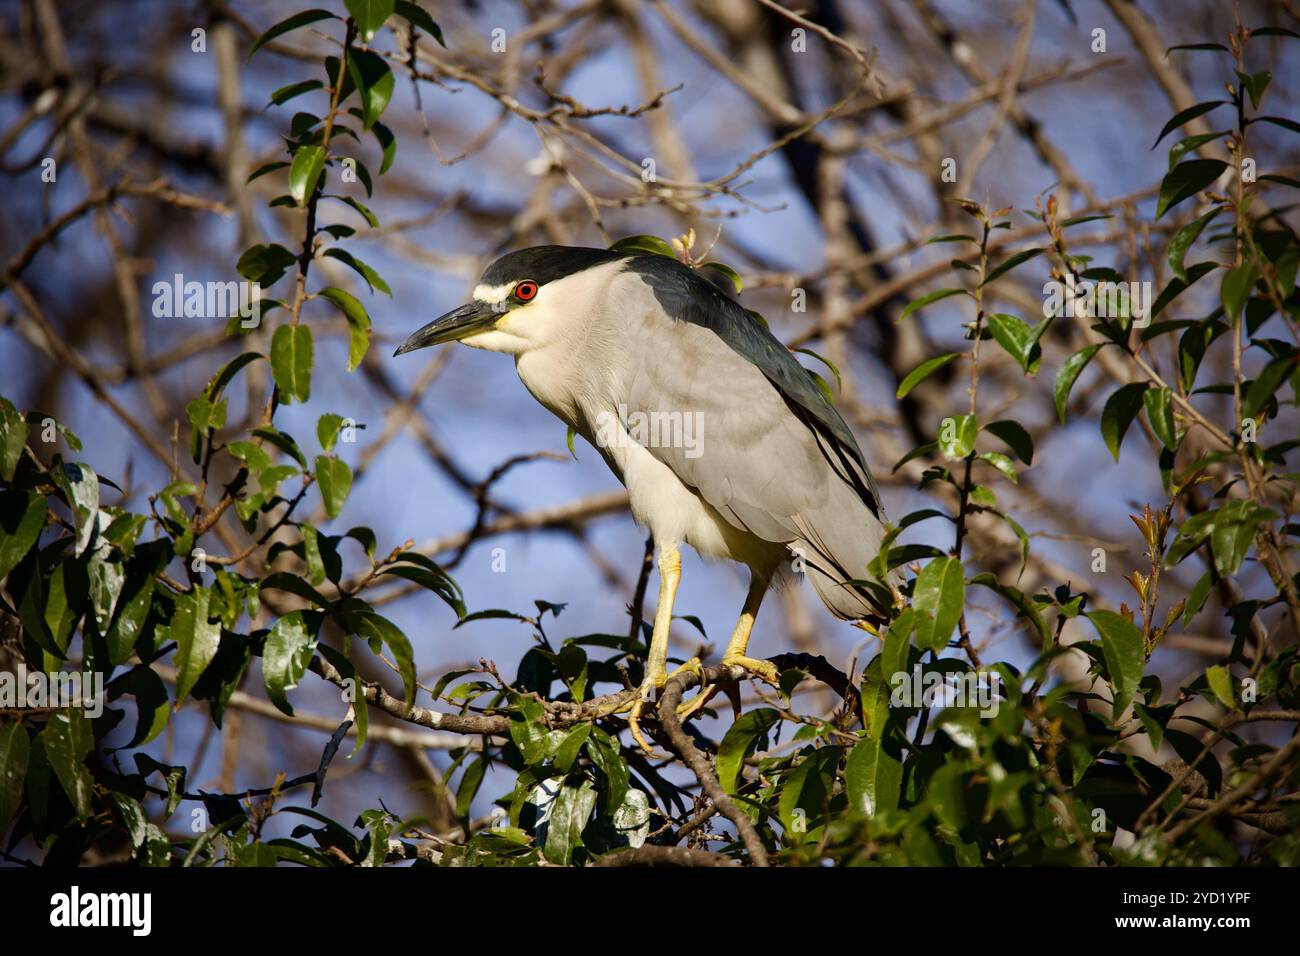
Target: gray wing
{"points": [[772, 457]]}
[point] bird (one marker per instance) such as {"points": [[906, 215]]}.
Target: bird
{"points": [[724, 441]]}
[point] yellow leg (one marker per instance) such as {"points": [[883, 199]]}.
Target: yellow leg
{"points": [[734, 656], [656, 666], [736, 647]]}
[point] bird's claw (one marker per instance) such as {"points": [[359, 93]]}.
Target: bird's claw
{"points": [[649, 691], [763, 670]]}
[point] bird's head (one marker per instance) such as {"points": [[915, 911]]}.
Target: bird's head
{"points": [[523, 300]]}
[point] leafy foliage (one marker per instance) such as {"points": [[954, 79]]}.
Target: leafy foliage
{"points": [[933, 758]]}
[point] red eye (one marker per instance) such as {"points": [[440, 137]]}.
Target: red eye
{"points": [[526, 290]]}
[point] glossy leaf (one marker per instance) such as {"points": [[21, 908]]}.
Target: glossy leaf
{"points": [[288, 650], [305, 172], [1118, 413], [1186, 180], [1125, 653], [957, 436], [196, 639], [369, 15], [290, 24], [938, 599], [335, 480], [358, 323], [291, 361]]}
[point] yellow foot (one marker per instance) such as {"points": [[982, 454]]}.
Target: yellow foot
{"points": [[763, 670], [649, 691]]}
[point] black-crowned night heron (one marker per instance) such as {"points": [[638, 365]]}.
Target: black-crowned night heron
{"points": [[723, 440]]}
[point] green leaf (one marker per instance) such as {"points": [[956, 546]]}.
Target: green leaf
{"points": [[1002, 463], [644, 244], [567, 752], [196, 639], [292, 23], [740, 741], [418, 18], [1274, 32], [938, 599], [373, 279], [924, 371], [284, 94], [14, 750], [835, 370], [374, 627], [80, 486], [362, 210], [68, 739], [1183, 146], [1235, 289], [327, 430], [1231, 529], [387, 143], [430, 577], [264, 169], [1183, 240], [152, 704], [132, 817], [374, 81], [1281, 121], [1069, 374], [22, 516], [1161, 415], [369, 15], [806, 791], [227, 373], [1016, 598], [1120, 410], [1266, 385], [1018, 338], [873, 777], [1220, 680], [13, 438], [1124, 650], [568, 815], [106, 579], [1006, 265], [732, 275], [957, 435], [288, 650], [1200, 109], [1016, 438], [930, 297], [335, 480], [1177, 286], [1196, 598], [358, 323], [1186, 180], [283, 442], [304, 172], [291, 361], [877, 678], [1255, 84]]}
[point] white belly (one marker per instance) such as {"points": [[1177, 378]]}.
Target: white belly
{"points": [[674, 513]]}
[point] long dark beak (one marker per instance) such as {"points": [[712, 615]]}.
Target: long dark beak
{"points": [[452, 327]]}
